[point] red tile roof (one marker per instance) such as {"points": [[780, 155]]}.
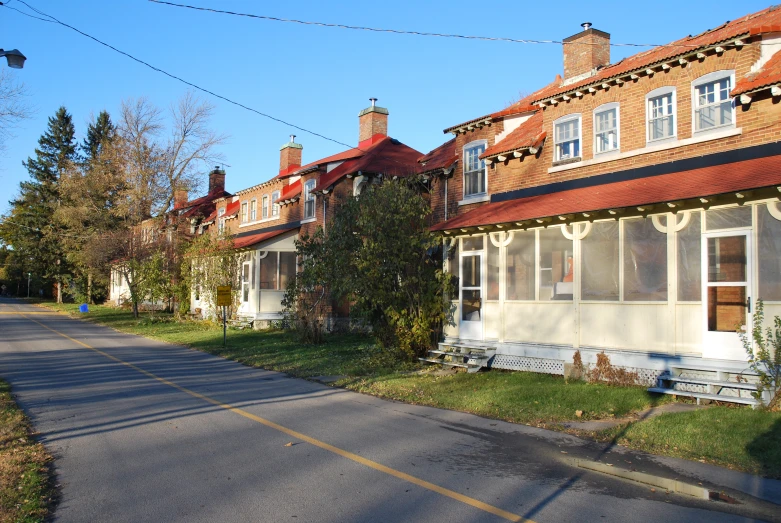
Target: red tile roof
{"points": [[388, 156], [524, 105], [290, 191], [767, 20], [338, 157], [232, 209], [528, 134], [204, 205], [253, 239], [694, 183], [440, 158], [770, 74]]}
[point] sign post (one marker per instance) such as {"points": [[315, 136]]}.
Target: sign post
{"points": [[224, 301]]}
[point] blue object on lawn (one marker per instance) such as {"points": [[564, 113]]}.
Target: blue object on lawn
{"points": [[83, 308]]}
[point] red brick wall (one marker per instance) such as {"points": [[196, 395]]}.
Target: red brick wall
{"points": [[372, 123]]}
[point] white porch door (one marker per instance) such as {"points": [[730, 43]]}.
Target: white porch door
{"points": [[471, 324], [726, 293]]}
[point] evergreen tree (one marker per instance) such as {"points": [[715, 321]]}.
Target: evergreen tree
{"points": [[30, 229], [98, 133]]}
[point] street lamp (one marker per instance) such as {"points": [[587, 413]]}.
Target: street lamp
{"points": [[15, 58]]}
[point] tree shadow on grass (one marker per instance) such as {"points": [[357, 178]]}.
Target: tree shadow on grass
{"points": [[766, 450]]}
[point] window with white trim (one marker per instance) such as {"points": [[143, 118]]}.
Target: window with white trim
{"points": [[265, 207], [309, 199], [246, 268], [712, 104], [606, 128], [274, 204], [474, 169], [253, 210], [221, 220], [660, 114], [244, 212], [566, 140]]}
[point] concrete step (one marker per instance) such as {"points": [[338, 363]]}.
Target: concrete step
{"points": [[704, 396], [477, 356], [448, 363], [705, 381]]}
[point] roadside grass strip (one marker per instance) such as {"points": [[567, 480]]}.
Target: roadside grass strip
{"points": [[509, 516], [25, 492], [734, 437]]}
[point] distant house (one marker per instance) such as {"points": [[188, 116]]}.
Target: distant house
{"points": [[627, 207], [266, 219]]}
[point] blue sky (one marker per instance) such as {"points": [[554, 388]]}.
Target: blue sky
{"points": [[318, 78]]}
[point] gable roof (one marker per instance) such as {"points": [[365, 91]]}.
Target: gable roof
{"points": [[443, 157], [765, 21], [387, 156], [260, 236], [528, 135], [769, 74]]}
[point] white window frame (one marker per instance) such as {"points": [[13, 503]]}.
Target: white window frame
{"points": [[264, 207], [564, 119], [253, 209], [656, 93], [244, 208], [706, 79], [473, 145], [599, 110], [309, 197], [274, 204], [245, 284]]}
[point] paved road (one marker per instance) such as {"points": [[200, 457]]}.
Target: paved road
{"points": [[146, 431]]}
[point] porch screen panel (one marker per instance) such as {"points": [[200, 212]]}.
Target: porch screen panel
{"points": [[600, 262], [493, 271], [729, 218], [454, 265], [268, 271], [769, 232], [645, 261], [556, 265], [689, 260], [287, 269], [520, 266], [252, 257]]}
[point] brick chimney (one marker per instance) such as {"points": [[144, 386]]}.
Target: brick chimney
{"points": [[180, 198], [216, 180], [290, 156], [372, 124], [585, 51]]}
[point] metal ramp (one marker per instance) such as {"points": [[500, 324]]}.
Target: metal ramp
{"points": [[471, 357], [710, 384]]}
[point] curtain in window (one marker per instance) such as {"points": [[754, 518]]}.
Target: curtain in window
{"points": [[600, 262], [520, 266], [689, 260], [645, 261]]}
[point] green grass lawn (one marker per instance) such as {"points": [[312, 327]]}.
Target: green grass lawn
{"points": [[737, 437], [25, 494]]}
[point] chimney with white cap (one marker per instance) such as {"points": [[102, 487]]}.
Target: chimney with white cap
{"points": [[585, 52], [290, 156], [372, 124]]}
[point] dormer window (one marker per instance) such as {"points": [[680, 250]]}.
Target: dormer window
{"points": [[567, 137], [713, 106], [274, 204], [309, 199], [661, 114], [244, 212], [606, 128], [474, 169]]}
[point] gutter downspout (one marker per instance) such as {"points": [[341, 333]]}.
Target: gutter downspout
{"points": [[445, 197]]}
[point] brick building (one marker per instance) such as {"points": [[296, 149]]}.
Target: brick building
{"points": [[266, 219], [628, 207]]}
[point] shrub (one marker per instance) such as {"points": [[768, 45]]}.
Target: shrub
{"points": [[604, 371], [763, 349]]}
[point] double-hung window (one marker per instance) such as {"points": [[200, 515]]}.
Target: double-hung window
{"points": [[567, 137], [660, 114], [221, 220], [309, 199], [265, 207], [713, 106], [606, 128], [253, 210], [274, 204], [474, 169], [244, 212]]}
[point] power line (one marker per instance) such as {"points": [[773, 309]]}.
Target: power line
{"points": [[182, 80], [406, 32]]}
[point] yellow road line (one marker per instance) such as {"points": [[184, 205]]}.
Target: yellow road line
{"points": [[317, 443]]}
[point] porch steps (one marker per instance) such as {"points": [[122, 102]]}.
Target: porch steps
{"points": [[471, 358], [707, 383]]}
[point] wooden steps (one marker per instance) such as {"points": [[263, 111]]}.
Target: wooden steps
{"points": [[469, 357], [708, 383]]}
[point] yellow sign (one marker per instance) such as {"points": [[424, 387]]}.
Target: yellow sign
{"points": [[224, 296]]}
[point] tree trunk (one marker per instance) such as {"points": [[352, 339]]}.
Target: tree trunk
{"points": [[89, 288], [59, 292], [135, 309]]}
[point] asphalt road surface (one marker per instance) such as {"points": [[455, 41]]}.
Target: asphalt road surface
{"points": [[147, 431]]}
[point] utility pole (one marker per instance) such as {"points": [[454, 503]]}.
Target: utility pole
{"points": [[29, 275]]}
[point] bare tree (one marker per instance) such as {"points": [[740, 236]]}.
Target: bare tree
{"points": [[13, 105]]}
